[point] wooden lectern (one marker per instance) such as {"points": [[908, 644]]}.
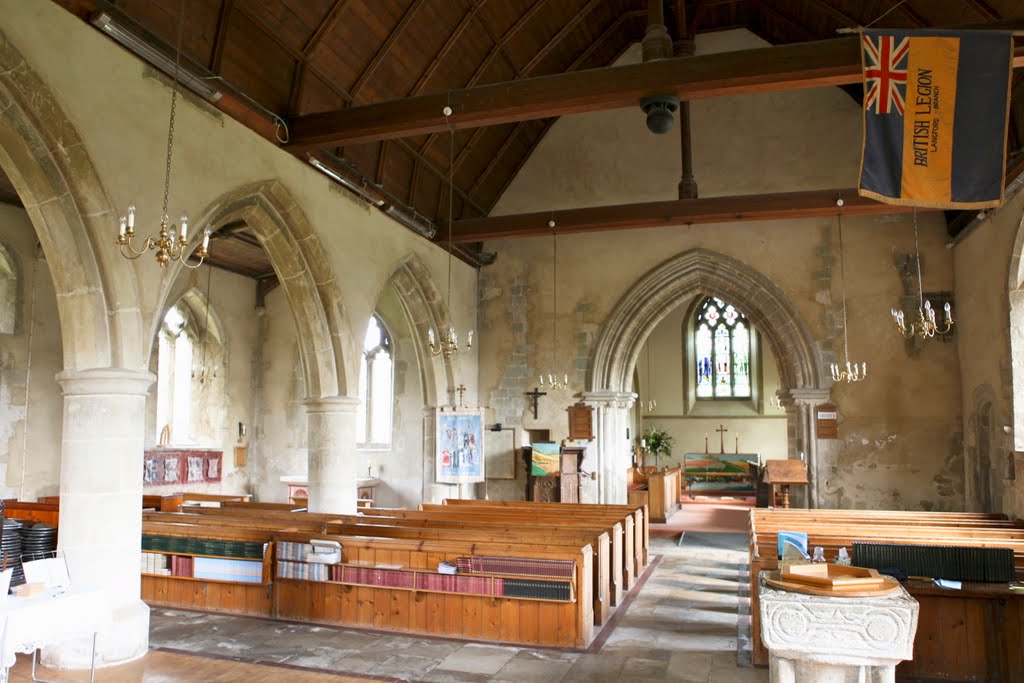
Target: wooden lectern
{"points": [[784, 473]]}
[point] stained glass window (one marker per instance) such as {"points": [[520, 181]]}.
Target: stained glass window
{"points": [[722, 349]]}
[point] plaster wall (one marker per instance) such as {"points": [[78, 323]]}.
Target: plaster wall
{"points": [[899, 430], [987, 285], [31, 406]]}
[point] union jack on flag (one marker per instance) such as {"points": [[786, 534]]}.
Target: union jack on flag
{"points": [[885, 78]]}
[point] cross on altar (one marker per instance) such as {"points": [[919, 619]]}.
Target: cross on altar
{"points": [[462, 390], [721, 437], [535, 395]]}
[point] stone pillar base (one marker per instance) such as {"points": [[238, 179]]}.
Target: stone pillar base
{"points": [[124, 640]]}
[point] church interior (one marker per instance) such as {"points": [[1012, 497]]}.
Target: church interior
{"points": [[411, 248]]}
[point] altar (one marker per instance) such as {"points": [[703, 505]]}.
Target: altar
{"points": [[720, 473]]}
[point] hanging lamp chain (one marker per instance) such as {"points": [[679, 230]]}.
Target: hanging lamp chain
{"points": [[174, 103]]}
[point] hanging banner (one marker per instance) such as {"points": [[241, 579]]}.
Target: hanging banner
{"points": [[936, 106]]}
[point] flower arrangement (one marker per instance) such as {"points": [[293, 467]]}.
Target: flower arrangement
{"points": [[658, 442]]}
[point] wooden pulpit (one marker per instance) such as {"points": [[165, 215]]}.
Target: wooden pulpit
{"points": [[784, 473], [559, 487]]}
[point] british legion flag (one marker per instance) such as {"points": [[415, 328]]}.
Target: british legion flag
{"points": [[936, 105]]}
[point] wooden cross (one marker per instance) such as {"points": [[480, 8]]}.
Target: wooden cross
{"points": [[535, 395], [462, 390], [721, 438]]}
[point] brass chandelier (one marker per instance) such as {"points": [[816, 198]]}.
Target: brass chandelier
{"points": [[449, 343], [553, 381], [171, 241], [851, 373], [926, 325]]}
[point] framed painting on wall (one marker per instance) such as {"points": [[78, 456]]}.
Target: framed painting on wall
{"points": [[460, 446]]}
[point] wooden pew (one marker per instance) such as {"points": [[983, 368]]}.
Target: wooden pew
{"points": [[622, 565], [47, 513], [639, 514], [951, 623], [404, 528], [482, 617]]}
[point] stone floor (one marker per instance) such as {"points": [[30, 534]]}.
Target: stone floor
{"points": [[688, 622]]}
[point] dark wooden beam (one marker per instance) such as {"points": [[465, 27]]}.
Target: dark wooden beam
{"points": [[784, 67], [765, 207], [220, 36], [385, 47]]}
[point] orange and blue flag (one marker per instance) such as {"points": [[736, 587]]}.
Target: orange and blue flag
{"points": [[936, 105]]}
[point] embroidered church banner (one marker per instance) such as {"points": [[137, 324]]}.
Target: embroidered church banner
{"points": [[460, 446], [936, 105]]}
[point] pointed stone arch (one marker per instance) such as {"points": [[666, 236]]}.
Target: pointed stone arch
{"points": [[425, 309], [324, 334], [651, 299], [700, 271], [47, 161]]}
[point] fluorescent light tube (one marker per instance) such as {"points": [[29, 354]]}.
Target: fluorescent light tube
{"points": [[147, 50]]}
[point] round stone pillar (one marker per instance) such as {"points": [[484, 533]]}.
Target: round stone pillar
{"points": [[803, 438], [613, 448], [332, 454], [101, 506]]}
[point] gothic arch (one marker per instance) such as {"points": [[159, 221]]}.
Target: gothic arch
{"points": [[46, 160], [700, 271], [302, 267], [424, 307], [1015, 332]]}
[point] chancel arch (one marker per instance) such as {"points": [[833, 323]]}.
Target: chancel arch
{"points": [[699, 272]]}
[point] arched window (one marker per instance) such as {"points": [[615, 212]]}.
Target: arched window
{"points": [[373, 421], [722, 350], [174, 376]]}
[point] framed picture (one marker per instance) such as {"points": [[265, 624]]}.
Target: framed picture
{"points": [[460, 446]]}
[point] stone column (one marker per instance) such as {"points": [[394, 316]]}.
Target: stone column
{"points": [[101, 506], [331, 446], [613, 450], [799, 404], [824, 639]]}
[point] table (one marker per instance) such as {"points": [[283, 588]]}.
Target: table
{"points": [[27, 624]]}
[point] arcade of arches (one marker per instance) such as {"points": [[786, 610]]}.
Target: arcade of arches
{"points": [[933, 427]]}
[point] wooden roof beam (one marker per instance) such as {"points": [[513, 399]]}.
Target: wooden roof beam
{"points": [[784, 67], [676, 212]]}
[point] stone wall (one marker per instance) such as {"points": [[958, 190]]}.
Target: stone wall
{"points": [[30, 400]]}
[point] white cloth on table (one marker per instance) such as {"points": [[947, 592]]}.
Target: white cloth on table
{"points": [[27, 624]]}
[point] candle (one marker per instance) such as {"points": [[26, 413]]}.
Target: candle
{"points": [[123, 226], [184, 228], [643, 443], [430, 336], [206, 239], [131, 216]]}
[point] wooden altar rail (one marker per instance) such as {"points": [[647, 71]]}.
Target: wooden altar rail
{"points": [[623, 573], [967, 635], [479, 617], [639, 513], [354, 525]]}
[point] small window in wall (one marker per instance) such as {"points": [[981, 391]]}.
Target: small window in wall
{"points": [[722, 349], [376, 388]]}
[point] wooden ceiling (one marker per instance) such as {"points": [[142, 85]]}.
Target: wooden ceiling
{"points": [[351, 76]]}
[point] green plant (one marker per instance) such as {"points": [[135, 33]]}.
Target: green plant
{"points": [[659, 442]]}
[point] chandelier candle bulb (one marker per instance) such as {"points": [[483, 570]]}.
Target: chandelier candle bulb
{"points": [[122, 227], [184, 228], [430, 336], [131, 217], [206, 238]]}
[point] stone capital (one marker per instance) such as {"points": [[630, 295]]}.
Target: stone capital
{"points": [[803, 396], [105, 381], [609, 399], [331, 404]]}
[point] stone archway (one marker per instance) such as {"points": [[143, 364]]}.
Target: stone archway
{"points": [[424, 308], [655, 294], [326, 343], [104, 381]]}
